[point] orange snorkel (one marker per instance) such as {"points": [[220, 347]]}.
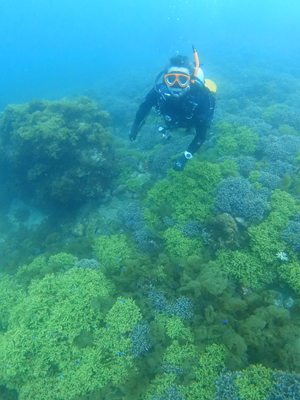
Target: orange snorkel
{"points": [[196, 66]]}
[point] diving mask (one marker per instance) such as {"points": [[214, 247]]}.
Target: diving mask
{"points": [[181, 79]]}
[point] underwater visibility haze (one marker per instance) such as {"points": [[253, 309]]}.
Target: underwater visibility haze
{"points": [[140, 263]]}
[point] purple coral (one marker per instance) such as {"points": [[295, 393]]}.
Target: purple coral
{"points": [[291, 234], [139, 340], [132, 217], [236, 196], [286, 386], [181, 307]]}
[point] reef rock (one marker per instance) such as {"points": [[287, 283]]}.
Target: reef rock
{"points": [[221, 232], [56, 152]]}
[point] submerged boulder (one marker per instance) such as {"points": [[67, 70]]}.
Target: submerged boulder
{"points": [[57, 152], [221, 232]]}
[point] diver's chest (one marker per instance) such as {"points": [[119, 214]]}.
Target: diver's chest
{"points": [[181, 110]]}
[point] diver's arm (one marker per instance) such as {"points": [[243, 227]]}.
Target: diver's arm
{"points": [[196, 143], [201, 130], [203, 125], [143, 112]]}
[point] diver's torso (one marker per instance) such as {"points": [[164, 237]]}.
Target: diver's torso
{"points": [[183, 111]]}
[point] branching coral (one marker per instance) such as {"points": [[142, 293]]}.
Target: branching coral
{"points": [[257, 265], [112, 250], [188, 193], [286, 386], [210, 365], [245, 267], [255, 382], [235, 140], [174, 359], [41, 266], [178, 245], [266, 238], [58, 341], [290, 273], [133, 218], [238, 198], [181, 307]]}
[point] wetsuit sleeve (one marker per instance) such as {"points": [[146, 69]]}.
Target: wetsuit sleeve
{"points": [[201, 130], [202, 124], [144, 109]]}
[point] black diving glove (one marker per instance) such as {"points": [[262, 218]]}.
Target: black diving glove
{"points": [[133, 132], [180, 163]]}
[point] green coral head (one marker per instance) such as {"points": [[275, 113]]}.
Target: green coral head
{"points": [[123, 315], [235, 140], [112, 250]]}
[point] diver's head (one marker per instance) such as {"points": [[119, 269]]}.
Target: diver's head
{"points": [[178, 75], [178, 81]]}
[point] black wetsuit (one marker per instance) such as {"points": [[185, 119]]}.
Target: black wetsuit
{"points": [[194, 109]]}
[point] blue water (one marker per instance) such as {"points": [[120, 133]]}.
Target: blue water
{"points": [[52, 49]]}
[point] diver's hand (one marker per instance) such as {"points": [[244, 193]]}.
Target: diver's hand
{"points": [[133, 132], [180, 163]]}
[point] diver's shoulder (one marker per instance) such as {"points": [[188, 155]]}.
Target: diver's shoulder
{"points": [[199, 89], [153, 94]]}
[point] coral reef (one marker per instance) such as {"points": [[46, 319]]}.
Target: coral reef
{"points": [[291, 234], [176, 356], [162, 285], [257, 265], [284, 148], [85, 263], [226, 386], [286, 386], [245, 164], [181, 307], [255, 382], [112, 250], [188, 194], [139, 342], [206, 372], [268, 180], [234, 139], [162, 159], [50, 331], [236, 196], [221, 232], [178, 245], [133, 218], [191, 229], [57, 152]]}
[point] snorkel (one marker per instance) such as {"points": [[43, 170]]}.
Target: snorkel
{"points": [[196, 65]]}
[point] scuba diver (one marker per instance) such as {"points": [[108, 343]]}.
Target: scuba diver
{"points": [[184, 99]]}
